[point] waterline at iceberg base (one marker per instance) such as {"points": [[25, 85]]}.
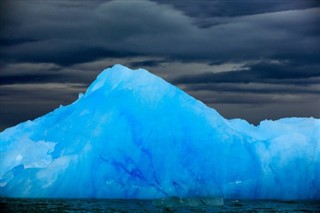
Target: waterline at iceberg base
{"points": [[133, 135]]}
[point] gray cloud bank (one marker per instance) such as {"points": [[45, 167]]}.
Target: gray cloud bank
{"points": [[249, 59]]}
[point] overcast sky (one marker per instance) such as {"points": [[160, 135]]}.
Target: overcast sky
{"points": [[253, 59]]}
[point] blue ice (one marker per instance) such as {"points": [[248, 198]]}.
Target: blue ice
{"points": [[133, 135]]}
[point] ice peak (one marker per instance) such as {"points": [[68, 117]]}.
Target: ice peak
{"points": [[120, 67], [114, 76], [118, 75]]}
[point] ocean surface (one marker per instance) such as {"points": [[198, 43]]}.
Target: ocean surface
{"points": [[115, 205]]}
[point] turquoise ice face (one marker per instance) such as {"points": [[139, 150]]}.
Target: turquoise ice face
{"points": [[133, 135]]}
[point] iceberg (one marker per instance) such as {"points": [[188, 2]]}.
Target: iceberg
{"points": [[133, 135]]}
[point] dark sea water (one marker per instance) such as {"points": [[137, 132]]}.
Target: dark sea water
{"points": [[113, 205]]}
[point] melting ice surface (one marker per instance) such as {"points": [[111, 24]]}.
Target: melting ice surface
{"points": [[133, 135]]}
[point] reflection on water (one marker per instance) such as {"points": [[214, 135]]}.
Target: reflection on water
{"points": [[188, 202], [116, 205]]}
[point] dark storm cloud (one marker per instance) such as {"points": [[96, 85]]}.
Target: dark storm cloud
{"points": [[47, 77], [15, 41], [147, 63], [16, 79], [205, 11], [67, 36], [58, 54], [218, 8], [255, 88], [43, 78], [55, 44], [277, 73]]}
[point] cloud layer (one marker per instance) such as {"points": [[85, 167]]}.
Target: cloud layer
{"points": [[215, 50]]}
